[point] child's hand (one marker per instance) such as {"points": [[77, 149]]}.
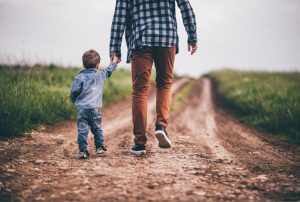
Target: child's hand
{"points": [[116, 59]]}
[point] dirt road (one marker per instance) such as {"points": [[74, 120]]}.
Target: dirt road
{"points": [[213, 158]]}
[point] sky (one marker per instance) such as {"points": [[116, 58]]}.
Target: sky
{"points": [[247, 35]]}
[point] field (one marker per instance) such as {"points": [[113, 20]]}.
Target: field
{"points": [[34, 96], [213, 157], [267, 101]]}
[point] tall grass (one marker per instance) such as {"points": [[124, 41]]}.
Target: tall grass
{"points": [[33, 96], [267, 101]]}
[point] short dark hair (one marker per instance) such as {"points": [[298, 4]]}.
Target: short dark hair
{"points": [[91, 59]]}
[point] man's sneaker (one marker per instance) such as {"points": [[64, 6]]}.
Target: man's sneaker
{"points": [[101, 150], [138, 149], [83, 155], [162, 136]]}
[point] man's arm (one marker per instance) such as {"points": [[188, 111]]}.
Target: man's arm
{"points": [[75, 90], [118, 27], [189, 21]]}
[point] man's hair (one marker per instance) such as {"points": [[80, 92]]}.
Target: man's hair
{"points": [[91, 59]]}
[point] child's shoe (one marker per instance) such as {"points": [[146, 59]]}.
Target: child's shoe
{"points": [[83, 155], [101, 150]]}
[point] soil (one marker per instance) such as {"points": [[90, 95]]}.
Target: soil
{"points": [[213, 158]]}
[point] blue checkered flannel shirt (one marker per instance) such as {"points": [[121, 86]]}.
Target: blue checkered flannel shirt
{"points": [[149, 23]]}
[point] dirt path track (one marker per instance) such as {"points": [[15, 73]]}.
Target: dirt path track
{"points": [[213, 158]]}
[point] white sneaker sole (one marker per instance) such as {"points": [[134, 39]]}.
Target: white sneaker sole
{"points": [[163, 140], [138, 153], [102, 153]]}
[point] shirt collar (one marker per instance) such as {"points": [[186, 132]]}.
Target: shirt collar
{"points": [[88, 70]]}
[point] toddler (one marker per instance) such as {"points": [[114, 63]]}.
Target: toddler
{"points": [[86, 92]]}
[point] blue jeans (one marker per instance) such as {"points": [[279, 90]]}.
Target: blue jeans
{"points": [[89, 118]]}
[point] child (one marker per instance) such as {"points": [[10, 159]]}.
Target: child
{"points": [[86, 92]]}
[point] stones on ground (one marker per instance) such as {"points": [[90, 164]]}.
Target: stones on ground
{"points": [[200, 193], [262, 178], [256, 152], [81, 172], [78, 191], [203, 166], [66, 152], [153, 185], [35, 169], [6, 143], [40, 198], [60, 140], [25, 194], [10, 170], [21, 161], [63, 168], [86, 182], [39, 161], [222, 174], [190, 192], [217, 160]]}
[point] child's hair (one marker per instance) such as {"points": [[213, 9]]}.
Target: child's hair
{"points": [[91, 59]]}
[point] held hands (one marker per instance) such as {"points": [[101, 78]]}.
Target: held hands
{"points": [[192, 47], [115, 58]]}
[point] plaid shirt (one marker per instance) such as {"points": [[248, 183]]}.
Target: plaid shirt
{"points": [[150, 23]]}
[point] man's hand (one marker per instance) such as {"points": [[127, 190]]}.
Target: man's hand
{"points": [[192, 47], [115, 58]]}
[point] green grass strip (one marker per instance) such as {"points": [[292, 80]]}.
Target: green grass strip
{"points": [[268, 101]]}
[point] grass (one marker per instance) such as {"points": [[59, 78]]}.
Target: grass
{"points": [[268, 101], [181, 96], [34, 96]]}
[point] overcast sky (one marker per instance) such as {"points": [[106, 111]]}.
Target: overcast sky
{"points": [[248, 34]]}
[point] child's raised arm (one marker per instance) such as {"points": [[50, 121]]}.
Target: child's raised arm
{"points": [[106, 73]]}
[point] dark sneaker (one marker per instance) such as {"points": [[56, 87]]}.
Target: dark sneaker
{"points": [[162, 136], [101, 150], [138, 149], [83, 155]]}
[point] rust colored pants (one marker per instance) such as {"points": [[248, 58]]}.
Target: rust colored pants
{"points": [[142, 62]]}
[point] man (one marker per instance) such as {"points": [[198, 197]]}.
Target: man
{"points": [[151, 36]]}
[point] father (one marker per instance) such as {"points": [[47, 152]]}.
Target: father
{"points": [[151, 36]]}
